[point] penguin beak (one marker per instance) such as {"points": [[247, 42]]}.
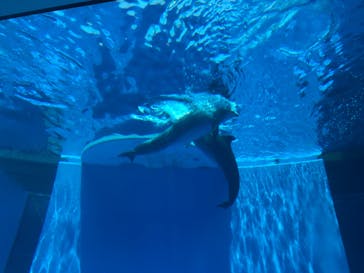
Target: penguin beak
{"points": [[234, 110]]}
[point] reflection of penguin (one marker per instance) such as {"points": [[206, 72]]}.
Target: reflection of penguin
{"points": [[218, 147], [205, 116]]}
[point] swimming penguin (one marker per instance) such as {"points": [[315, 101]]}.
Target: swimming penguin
{"points": [[218, 147], [207, 112]]}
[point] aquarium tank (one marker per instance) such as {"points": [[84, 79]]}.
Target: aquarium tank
{"points": [[199, 136]]}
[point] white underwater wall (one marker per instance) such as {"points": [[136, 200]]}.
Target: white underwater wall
{"points": [[58, 244], [284, 221]]}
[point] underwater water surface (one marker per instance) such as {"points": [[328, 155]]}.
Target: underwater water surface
{"points": [[80, 86]]}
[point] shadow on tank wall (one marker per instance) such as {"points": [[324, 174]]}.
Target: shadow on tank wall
{"points": [[341, 132], [25, 188]]}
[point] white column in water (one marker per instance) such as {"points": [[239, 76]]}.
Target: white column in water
{"points": [[284, 221], [58, 244]]}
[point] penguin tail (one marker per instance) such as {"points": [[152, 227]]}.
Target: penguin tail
{"points": [[130, 155], [225, 205]]}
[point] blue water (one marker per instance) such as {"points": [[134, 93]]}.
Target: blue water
{"points": [[73, 76]]}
